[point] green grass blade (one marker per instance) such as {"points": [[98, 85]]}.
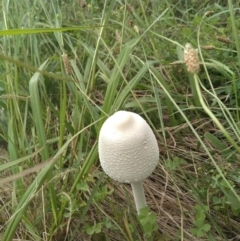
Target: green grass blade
{"points": [[120, 62], [235, 29], [37, 116], [44, 30]]}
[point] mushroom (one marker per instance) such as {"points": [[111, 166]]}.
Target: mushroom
{"points": [[128, 151]]}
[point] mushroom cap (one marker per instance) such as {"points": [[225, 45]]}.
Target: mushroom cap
{"points": [[128, 149]]}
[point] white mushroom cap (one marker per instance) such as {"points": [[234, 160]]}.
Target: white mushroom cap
{"points": [[128, 149]]}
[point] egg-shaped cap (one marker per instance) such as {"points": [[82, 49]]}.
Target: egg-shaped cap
{"points": [[128, 149]]}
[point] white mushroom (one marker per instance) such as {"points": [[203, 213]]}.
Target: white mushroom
{"points": [[128, 151]]}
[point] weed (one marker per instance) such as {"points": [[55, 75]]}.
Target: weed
{"points": [[148, 223], [201, 227]]}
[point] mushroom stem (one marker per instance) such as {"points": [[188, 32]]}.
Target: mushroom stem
{"points": [[139, 196]]}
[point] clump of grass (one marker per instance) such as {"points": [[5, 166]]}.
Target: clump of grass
{"points": [[60, 82]]}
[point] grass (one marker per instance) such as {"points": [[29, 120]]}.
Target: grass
{"points": [[68, 65]]}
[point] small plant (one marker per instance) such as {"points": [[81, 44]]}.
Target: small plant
{"points": [[175, 163], [223, 198], [91, 229], [201, 227], [148, 222], [98, 227]]}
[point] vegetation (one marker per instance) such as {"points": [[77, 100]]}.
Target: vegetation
{"points": [[68, 65]]}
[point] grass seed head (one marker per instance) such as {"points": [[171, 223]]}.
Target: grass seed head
{"points": [[208, 47], [82, 3], [67, 64], [223, 39], [118, 36], [191, 59], [129, 8]]}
